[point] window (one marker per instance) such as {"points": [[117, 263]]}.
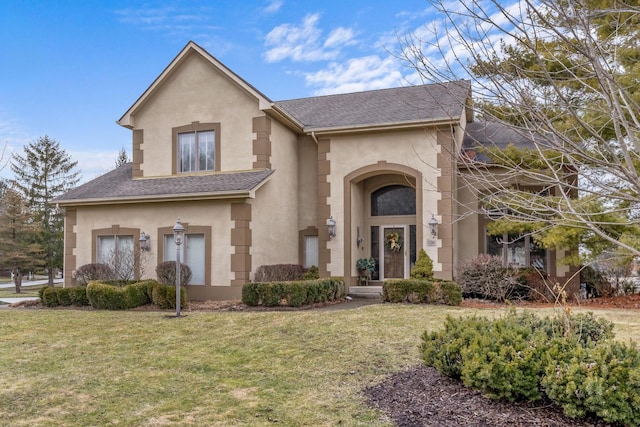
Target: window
{"points": [[192, 253], [118, 252], [196, 151], [196, 147], [518, 251], [393, 200], [310, 251]]}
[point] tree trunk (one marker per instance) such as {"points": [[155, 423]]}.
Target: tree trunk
{"points": [[17, 280], [50, 276]]}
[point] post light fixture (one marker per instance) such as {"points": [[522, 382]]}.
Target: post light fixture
{"points": [[331, 227], [178, 238], [433, 227], [145, 244]]}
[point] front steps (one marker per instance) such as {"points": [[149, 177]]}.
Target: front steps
{"points": [[365, 292]]}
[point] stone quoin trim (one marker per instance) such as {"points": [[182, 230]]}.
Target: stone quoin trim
{"points": [[262, 143], [241, 243], [324, 208], [70, 244], [137, 153], [446, 185]]}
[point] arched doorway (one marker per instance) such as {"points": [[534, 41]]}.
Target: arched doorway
{"points": [[392, 225], [383, 219]]}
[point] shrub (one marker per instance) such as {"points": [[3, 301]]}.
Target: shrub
{"points": [[521, 356], [88, 272], [109, 297], [64, 296], [78, 296], [421, 291], [485, 277], [423, 268], [293, 293], [164, 296], [602, 381], [49, 296], [166, 273], [311, 273], [279, 273]]}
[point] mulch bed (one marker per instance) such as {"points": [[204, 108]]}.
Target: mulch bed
{"points": [[421, 396]]}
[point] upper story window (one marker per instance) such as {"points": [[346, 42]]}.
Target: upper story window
{"points": [[196, 147], [196, 151]]}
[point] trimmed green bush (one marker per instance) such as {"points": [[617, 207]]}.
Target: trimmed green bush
{"points": [[49, 296], [164, 296], [312, 273], [570, 358], [603, 381], [293, 293], [78, 296], [420, 291], [109, 297], [64, 296], [423, 268]]}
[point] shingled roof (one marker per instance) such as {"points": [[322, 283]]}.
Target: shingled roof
{"points": [[118, 185], [445, 101], [490, 134]]}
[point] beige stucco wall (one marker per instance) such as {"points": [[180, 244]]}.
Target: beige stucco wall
{"points": [[274, 222], [149, 218], [307, 178], [197, 91], [416, 149]]}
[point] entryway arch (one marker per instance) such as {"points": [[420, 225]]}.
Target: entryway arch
{"points": [[362, 222]]}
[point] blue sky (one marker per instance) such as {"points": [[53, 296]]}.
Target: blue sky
{"points": [[70, 69]]}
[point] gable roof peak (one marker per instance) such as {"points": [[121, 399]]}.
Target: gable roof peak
{"points": [[189, 49]]}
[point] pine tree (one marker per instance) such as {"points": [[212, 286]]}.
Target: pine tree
{"points": [[122, 158], [18, 248], [43, 173]]}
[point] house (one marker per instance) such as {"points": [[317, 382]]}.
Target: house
{"points": [[257, 182]]}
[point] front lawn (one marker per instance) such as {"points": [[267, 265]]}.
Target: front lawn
{"points": [[78, 367]]}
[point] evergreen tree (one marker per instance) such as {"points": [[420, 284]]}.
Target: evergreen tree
{"points": [[43, 173], [562, 73], [122, 158], [19, 250]]}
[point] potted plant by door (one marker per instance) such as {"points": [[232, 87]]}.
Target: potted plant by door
{"points": [[366, 267]]}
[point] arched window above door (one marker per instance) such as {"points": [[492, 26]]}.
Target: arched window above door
{"points": [[393, 200]]}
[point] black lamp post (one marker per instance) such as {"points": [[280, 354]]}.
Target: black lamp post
{"points": [[178, 237]]}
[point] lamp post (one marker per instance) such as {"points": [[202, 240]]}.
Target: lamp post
{"points": [[178, 236]]}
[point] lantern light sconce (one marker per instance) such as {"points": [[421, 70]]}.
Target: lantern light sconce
{"points": [[331, 227], [359, 239], [433, 227], [145, 244]]}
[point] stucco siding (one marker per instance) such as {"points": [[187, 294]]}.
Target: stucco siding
{"points": [[197, 91]]}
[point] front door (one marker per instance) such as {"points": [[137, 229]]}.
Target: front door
{"points": [[393, 253]]}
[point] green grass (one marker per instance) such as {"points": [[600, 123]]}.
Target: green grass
{"points": [[26, 291], [302, 368]]}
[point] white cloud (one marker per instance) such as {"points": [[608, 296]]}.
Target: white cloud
{"points": [[92, 164], [273, 6], [357, 74], [303, 42]]}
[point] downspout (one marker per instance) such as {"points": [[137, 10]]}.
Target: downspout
{"points": [[315, 139]]}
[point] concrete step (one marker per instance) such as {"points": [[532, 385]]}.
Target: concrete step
{"points": [[365, 291]]}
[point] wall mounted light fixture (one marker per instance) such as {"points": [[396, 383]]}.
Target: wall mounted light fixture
{"points": [[433, 227], [331, 227], [145, 244]]}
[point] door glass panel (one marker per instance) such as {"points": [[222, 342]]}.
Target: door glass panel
{"points": [[394, 241], [375, 251]]}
